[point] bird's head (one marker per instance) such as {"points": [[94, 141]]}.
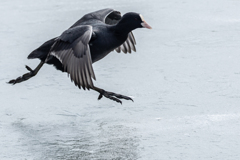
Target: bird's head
{"points": [[135, 20]]}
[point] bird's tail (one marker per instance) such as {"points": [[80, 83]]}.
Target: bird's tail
{"points": [[42, 51]]}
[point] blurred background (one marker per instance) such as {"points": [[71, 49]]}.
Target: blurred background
{"points": [[184, 79]]}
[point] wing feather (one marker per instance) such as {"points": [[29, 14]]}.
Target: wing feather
{"points": [[128, 45], [118, 49], [73, 51]]}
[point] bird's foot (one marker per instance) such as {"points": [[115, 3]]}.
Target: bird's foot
{"points": [[113, 96], [23, 77]]}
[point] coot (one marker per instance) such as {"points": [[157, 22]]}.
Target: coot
{"points": [[88, 40]]}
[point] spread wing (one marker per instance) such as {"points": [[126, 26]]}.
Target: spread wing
{"points": [[111, 17], [73, 51], [128, 45], [93, 17]]}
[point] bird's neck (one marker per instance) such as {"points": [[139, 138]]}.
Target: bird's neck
{"points": [[122, 27]]}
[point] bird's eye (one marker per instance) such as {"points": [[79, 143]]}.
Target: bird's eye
{"points": [[135, 19]]}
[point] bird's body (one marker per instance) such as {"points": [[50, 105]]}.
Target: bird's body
{"points": [[88, 40], [103, 42]]}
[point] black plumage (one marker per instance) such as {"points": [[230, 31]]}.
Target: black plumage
{"points": [[88, 40]]}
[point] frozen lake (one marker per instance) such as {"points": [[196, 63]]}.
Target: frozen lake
{"points": [[184, 77]]}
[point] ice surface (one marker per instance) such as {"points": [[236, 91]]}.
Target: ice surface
{"points": [[185, 80]]}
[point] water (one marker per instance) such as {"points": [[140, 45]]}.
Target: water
{"points": [[184, 79]]}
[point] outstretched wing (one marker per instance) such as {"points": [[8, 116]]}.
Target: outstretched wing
{"points": [[128, 45], [94, 16], [111, 17], [73, 51]]}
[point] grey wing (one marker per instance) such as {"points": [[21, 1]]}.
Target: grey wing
{"points": [[99, 15], [73, 51], [129, 44]]}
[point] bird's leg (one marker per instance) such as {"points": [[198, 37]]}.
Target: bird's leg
{"points": [[110, 95], [27, 75]]}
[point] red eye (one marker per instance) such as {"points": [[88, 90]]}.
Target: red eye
{"points": [[135, 19]]}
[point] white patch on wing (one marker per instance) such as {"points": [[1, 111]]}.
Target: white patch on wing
{"points": [[55, 55]]}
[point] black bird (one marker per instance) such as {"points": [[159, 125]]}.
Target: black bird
{"points": [[88, 40]]}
